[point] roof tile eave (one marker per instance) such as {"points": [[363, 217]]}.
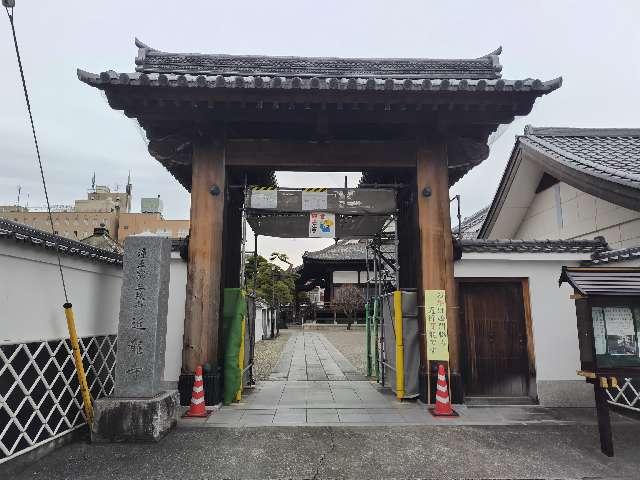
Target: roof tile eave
{"points": [[532, 246], [407, 83], [545, 146], [25, 233]]}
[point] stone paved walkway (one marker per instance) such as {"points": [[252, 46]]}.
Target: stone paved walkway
{"points": [[313, 384], [310, 356]]}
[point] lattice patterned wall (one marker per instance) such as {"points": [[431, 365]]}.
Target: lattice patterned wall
{"points": [[39, 394], [626, 395]]}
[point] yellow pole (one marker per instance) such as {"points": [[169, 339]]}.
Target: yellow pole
{"points": [[397, 318], [241, 359], [77, 357]]}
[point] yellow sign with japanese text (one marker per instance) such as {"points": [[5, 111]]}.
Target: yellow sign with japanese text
{"points": [[435, 320]]}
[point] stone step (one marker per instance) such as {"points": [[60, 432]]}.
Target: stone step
{"points": [[478, 401]]}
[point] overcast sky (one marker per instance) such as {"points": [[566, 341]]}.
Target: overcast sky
{"points": [[593, 45]]}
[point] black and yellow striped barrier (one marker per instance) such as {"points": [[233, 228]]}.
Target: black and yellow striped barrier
{"points": [[257, 187], [314, 189]]}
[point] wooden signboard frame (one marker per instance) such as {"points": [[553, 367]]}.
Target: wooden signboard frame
{"points": [[600, 369]]}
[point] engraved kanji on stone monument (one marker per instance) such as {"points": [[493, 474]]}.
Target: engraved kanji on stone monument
{"points": [[143, 317]]}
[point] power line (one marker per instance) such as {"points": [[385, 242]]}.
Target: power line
{"points": [[8, 4]]}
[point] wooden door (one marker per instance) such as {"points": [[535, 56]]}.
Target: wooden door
{"points": [[496, 360]]}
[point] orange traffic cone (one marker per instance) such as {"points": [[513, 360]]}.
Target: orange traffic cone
{"points": [[443, 404], [197, 408]]}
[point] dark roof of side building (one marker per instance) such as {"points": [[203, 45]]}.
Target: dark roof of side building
{"points": [[471, 225], [615, 256], [612, 154], [603, 280], [603, 162], [102, 240], [25, 234], [344, 251], [534, 246]]}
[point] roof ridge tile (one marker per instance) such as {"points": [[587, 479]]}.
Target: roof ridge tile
{"points": [[20, 232]]}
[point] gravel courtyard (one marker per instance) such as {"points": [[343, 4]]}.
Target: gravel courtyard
{"points": [[350, 343], [267, 353]]}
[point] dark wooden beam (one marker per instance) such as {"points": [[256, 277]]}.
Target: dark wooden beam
{"points": [[320, 156]]}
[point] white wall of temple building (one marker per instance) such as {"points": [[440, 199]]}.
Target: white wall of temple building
{"points": [[344, 276], [262, 313], [564, 212], [553, 315], [31, 299], [175, 318]]}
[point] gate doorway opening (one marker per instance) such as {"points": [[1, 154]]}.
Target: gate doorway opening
{"points": [[284, 220]]}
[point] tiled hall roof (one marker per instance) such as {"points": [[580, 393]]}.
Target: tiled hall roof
{"points": [[343, 250]]}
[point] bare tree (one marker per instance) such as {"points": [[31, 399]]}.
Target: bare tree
{"points": [[350, 300]]}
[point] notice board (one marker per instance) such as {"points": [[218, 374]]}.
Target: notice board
{"points": [[435, 320]]}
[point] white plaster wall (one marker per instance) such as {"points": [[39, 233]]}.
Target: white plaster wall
{"points": [[553, 312], [175, 318], [31, 299], [342, 276], [555, 335], [517, 201], [564, 212], [31, 295], [261, 315]]}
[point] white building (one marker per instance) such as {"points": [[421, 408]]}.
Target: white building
{"points": [[580, 188]]}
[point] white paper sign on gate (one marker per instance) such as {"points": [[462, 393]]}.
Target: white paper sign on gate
{"points": [[264, 197], [314, 199], [599, 330], [322, 225]]}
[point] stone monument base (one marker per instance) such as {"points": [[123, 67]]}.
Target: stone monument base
{"points": [[117, 419]]}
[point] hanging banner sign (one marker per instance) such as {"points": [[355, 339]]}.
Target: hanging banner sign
{"points": [[264, 197], [314, 199], [322, 225], [435, 319]]}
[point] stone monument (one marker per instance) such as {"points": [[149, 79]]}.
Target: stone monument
{"points": [[139, 410]]}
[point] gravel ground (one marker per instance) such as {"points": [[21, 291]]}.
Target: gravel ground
{"points": [[538, 451], [267, 354], [350, 343]]}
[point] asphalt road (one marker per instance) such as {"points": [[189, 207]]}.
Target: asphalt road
{"points": [[531, 451]]}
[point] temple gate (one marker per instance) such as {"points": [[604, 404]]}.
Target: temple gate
{"points": [[217, 120]]}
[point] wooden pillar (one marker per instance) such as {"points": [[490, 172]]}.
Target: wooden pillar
{"points": [[436, 246], [232, 239], [202, 309]]}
